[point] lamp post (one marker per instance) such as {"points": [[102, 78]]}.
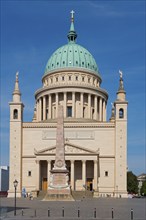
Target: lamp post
{"points": [[117, 191], [15, 186]]}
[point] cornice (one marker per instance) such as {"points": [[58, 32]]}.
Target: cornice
{"points": [[106, 156], [68, 125], [65, 86]]}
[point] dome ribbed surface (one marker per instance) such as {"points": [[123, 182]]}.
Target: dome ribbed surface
{"points": [[71, 55]]}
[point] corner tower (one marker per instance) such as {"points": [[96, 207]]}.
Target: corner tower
{"points": [[121, 140], [16, 119]]}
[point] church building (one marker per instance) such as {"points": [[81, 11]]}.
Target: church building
{"points": [[95, 148]]}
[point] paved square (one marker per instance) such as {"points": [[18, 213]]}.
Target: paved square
{"points": [[83, 209]]}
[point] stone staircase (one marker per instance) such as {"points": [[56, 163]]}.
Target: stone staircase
{"points": [[77, 195], [80, 195], [41, 195]]}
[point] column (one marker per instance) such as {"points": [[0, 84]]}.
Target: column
{"points": [[73, 104], [65, 100], [48, 171], [50, 106], [37, 174], [84, 172], [44, 107], [103, 110], [95, 107], [89, 105], [95, 175], [40, 109], [47, 107], [37, 107], [100, 109], [82, 104], [56, 105], [72, 175]]}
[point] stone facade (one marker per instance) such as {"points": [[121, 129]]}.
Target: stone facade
{"points": [[95, 149]]}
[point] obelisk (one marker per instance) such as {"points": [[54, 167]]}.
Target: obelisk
{"points": [[59, 187], [60, 148]]}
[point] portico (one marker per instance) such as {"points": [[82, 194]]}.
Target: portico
{"points": [[82, 164]]}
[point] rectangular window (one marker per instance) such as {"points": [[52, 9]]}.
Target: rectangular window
{"points": [[29, 173], [69, 111], [106, 173]]}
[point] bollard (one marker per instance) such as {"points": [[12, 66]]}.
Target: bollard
{"points": [[35, 213], [95, 213], [112, 213], [48, 212], [131, 214], [22, 212], [62, 211], [78, 212]]}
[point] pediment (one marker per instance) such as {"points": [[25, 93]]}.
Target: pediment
{"points": [[70, 148]]}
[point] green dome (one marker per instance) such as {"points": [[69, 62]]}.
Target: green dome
{"points": [[71, 55]]}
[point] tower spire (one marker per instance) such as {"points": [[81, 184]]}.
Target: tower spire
{"points": [[16, 93], [72, 33]]}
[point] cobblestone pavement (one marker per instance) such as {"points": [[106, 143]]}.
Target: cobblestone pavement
{"points": [[83, 210]]}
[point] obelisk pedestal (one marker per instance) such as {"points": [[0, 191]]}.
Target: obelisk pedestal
{"points": [[59, 188]]}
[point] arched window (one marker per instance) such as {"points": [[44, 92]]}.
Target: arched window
{"points": [[121, 113], [15, 114]]}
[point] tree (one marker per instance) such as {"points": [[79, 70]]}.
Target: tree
{"points": [[132, 183], [143, 188]]}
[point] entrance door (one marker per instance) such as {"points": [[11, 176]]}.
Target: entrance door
{"points": [[44, 184], [89, 184]]}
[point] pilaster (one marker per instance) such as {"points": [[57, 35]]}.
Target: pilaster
{"points": [[38, 175]]}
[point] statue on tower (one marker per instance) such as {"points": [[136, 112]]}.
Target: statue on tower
{"points": [[121, 74], [17, 73], [121, 87]]}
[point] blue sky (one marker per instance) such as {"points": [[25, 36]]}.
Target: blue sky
{"points": [[114, 33]]}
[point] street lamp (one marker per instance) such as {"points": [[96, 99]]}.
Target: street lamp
{"points": [[15, 186], [117, 191]]}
